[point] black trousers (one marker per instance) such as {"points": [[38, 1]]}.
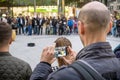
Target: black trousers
{"points": [[40, 30], [21, 28]]}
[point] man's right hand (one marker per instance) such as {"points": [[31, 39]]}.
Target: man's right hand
{"points": [[70, 58], [48, 54]]}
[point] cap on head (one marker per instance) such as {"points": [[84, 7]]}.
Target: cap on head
{"points": [[3, 15]]}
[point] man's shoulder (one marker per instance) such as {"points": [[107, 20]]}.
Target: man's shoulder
{"points": [[64, 73], [14, 66], [14, 61]]}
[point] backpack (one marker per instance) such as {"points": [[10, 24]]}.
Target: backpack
{"points": [[86, 71], [70, 23]]}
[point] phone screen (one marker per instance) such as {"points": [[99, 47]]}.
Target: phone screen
{"points": [[60, 51]]}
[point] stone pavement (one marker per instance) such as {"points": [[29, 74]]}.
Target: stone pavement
{"points": [[31, 55]]}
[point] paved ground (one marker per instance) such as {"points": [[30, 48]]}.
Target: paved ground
{"points": [[32, 54]]}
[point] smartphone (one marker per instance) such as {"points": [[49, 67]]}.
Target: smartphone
{"points": [[60, 51]]}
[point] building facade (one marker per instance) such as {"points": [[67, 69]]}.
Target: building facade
{"points": [[114, 6]]}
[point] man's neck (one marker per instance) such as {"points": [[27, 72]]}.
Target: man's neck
{"points": [[94, 39], [4, 49]]}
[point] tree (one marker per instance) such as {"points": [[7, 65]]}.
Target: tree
{"points": [[77, 3], [10, 3], [46, 2], [5, 2]]}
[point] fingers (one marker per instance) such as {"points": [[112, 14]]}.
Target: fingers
{"points": [[70, 50], [48, 54], [45, 49], [54, 59], [51, 49], [54, 44], [66, 61]]}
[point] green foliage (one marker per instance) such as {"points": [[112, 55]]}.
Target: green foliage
{"points": [[46, 2], [5, 3], [78, 3], [2, 0], [31, 2]]}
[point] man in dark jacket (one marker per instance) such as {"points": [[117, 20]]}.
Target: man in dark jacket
{"points": [[21, 22], [54, 24], [11, 68], [118, 27], [94, 24], [117, 51], [41, 22], [62, 25]]}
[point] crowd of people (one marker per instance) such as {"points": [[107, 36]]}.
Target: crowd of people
{"points": [[96, 61], [34, 26], [52, 25]]}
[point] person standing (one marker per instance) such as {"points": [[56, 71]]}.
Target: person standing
{"points": [[11, 68], [75, 25], [21, 22], [35, 23], [63, 42], [29, 26], [70, 24], [62, 25], [41, 24], [4, 19], [54, 24], [47, 29], [118, 27], [114, 30]]}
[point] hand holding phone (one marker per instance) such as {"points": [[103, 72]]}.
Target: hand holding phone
{"points": [[71, 56]]}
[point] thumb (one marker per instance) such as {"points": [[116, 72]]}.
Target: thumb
{"points": [[53, 60], [54, 44], [66, 61], [70, 50]]}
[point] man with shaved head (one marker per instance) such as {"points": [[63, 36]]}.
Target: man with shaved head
{"points": [[94, 24]]}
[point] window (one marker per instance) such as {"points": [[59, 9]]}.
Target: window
{"points": [[118, 7], [118, 1], [111, 7]]}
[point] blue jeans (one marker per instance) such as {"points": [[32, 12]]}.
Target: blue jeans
{"points": [[35, 29], [54, 30], [29, 30], [113, 31]]}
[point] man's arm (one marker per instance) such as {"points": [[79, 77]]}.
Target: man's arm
{"points": [[28, 72], [41, 71]]}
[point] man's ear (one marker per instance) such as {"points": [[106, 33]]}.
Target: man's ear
{"points": [[81, 28], [110, 26], [10, 42]]}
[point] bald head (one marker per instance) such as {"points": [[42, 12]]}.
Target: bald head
{"points": [[95, 15]]}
